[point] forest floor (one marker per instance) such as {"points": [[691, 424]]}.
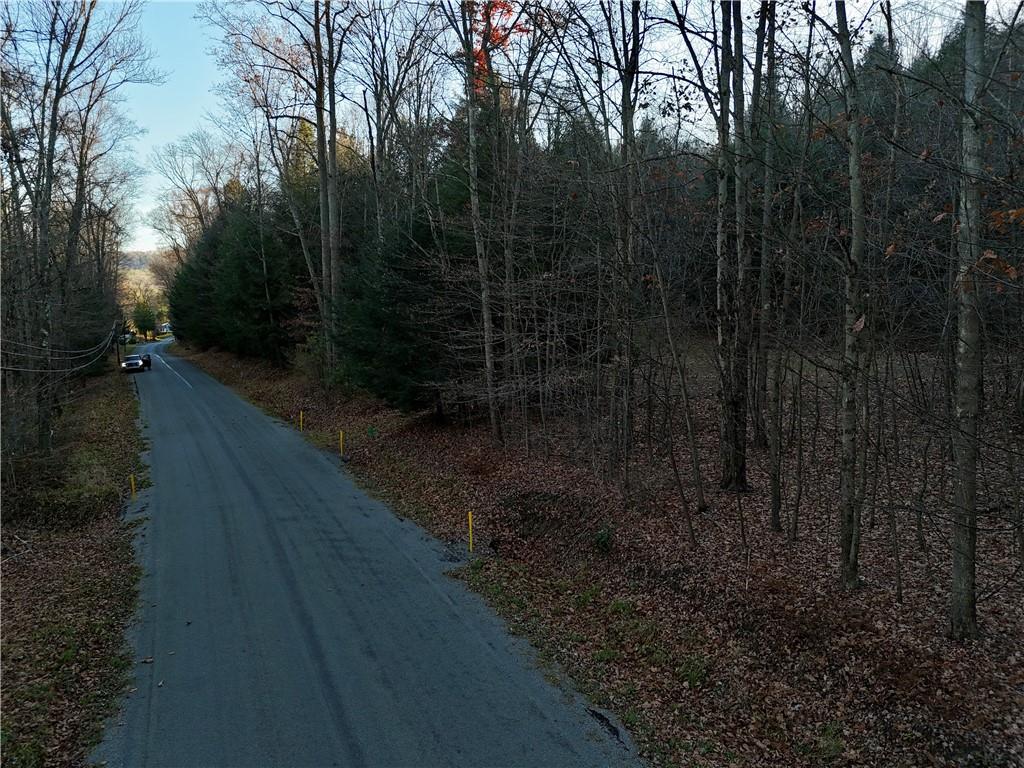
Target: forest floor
{"points": [[69, 578], [741, 651]]}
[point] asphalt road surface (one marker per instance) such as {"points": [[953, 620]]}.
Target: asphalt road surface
{"points": [[287, 619]]}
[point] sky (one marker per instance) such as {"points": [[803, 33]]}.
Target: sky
{"points": [[165, 112], [181, 47]]}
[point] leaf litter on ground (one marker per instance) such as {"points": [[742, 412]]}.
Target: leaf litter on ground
{"points": [[727, 654]]}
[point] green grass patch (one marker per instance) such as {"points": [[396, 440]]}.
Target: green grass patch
{"points": [[585, 598], [621, 608], [830, 745], [692, 670], [604, 539]]}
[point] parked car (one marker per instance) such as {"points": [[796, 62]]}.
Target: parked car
{"points": [[147, 361], [133, 364]]}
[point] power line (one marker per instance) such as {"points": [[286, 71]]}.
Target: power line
{"points": [[88, 352], [57, 370], [85, 350], [102, 347]]}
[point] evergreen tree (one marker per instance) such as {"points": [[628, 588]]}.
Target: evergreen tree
{"points": [[237, 290]]}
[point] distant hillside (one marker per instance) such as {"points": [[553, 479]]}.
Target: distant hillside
{"points": [[137, 259]]}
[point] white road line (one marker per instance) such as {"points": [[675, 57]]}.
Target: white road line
{"points": [[174, 371]]}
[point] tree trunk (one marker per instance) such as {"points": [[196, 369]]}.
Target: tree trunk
{"points": [[630, 59], [333, 175], [963, 604], [762, 313], [853, 321], [325, 180], [725, 280], [734, 411], [691, 432], [482, 260]]}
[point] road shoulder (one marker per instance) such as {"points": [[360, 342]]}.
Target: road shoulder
{"points": [[70, 578]]}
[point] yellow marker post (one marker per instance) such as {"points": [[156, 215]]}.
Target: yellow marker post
{"points": [[341, 443], [301, 416], [471, 531], [131, 481]]}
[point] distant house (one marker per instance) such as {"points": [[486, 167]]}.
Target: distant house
{"points": [[165, 328]]}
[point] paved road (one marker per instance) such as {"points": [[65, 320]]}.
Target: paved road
{"points": [[287, 619]]}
